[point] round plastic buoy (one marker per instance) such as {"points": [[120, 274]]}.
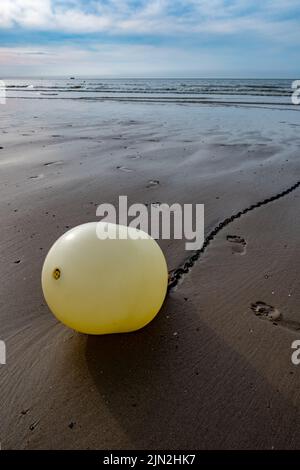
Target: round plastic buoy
{"points": [[96, 283]]}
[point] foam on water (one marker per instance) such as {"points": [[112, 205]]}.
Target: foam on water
{"points": [[239, 91]]}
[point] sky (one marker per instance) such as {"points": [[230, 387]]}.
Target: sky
{"points": [[150, 38]]}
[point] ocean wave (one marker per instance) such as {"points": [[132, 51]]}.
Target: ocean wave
{"points": [[185, 89]]}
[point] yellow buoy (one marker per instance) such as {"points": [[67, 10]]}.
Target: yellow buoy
{"points": [[97, 283]]}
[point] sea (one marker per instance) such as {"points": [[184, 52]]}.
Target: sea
{"points": [[258, 92]]}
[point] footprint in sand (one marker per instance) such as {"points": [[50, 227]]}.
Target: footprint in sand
{"points": [[36, 177], [134, 157], [238, 244], [123, 168], [268, 312], [265, 311], [152, 183], [58, 162]]}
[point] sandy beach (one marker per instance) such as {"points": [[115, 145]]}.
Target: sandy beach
{"points": [[213, 370]]}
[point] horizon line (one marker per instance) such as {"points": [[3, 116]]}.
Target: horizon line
{"points": [[129, 77]]}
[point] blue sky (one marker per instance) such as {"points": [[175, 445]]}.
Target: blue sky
{"points": [[176, 38]]}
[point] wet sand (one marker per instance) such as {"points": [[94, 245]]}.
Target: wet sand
{"points": [[213, 370]]}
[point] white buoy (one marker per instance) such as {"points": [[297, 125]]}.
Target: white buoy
{"points": [[97, 283]]}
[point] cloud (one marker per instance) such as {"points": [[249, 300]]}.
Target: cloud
{"points": [[149, 37], [107, 59], [134, 60], [154, 17]]}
